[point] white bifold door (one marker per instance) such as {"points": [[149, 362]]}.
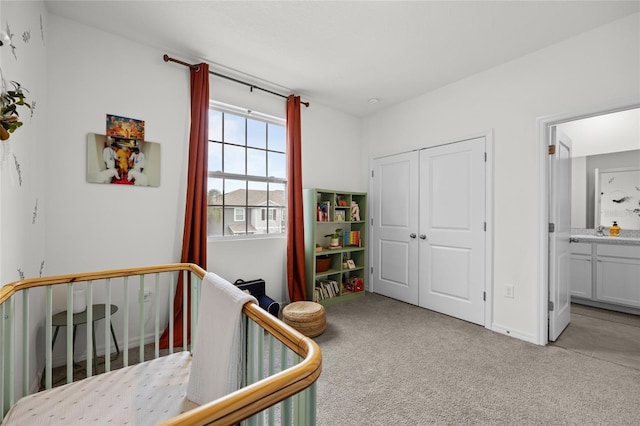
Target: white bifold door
{"points": [[428, 231]]}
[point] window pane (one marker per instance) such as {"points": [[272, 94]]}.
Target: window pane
{"points": [[256, 162], [277, 213], [214, 221], [277, 138], [214, 192], [215, 125], [215, 157], [231, 227], [277, 194], [277, 222], [256, 134], [257, 203], [277, 166], [234, 129], [234, 159], [235, 192]]}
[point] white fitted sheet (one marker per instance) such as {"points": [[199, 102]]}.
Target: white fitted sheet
{"points": [[141, 394]]}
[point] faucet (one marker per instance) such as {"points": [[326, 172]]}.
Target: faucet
{"points": [[600, 232]]}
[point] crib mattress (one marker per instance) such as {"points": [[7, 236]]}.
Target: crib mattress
{"points": [[141, 394]]}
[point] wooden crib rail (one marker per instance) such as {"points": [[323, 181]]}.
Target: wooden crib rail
{"points": [[254, 398], [12, 288], [245, 402]]}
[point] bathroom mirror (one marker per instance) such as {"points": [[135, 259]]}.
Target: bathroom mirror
{"points": [[617, 196], [117, 161]]}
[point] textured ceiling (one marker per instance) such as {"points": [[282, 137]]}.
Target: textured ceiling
{"points": [[341, 54]]}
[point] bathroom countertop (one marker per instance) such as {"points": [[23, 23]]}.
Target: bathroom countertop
{"points": [[626, 237]]}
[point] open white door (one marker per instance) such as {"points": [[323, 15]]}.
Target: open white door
{"points": [[559, 232], [394, 211]]}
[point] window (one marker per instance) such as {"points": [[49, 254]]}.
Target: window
{"points": [[238, 214], [272, 214], [247, 173]]}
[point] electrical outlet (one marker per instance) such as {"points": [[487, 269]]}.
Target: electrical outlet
{"points": [[508, 291], [147, 296]]}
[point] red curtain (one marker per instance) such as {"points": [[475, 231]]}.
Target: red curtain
{"points": [[295, 220], [194, 239]]}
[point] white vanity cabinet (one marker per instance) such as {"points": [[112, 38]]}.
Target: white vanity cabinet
{"points": [[617, 273], [581, 270]]}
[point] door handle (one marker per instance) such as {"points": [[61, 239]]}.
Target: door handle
{"points": [[412, 235], [423, 237]]}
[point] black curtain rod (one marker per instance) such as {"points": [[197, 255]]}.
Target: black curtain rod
{"points": [[167, 58]]}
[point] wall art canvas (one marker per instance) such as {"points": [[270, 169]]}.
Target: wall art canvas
{"points": [[125, 128], [618, 193], [122, 161]]}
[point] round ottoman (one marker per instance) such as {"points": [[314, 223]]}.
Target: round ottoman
{"points": [[306, 317]]}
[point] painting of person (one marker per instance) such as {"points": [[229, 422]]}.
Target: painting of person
{"points": [[109, 157], [122, 155], [137, 162]]}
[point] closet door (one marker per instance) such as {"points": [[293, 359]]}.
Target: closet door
{"points": [[394, 214], [451, 238]]}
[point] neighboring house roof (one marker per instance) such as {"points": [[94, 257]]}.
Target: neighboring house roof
{"points": [[256, 198]]}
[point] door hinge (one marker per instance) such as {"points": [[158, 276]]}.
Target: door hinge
{"points": [[485, 227], [552, 227], [484, 296], [372, 270], [371, 173], [550, 306], [485, 157], [552, 149], [371, 221]]}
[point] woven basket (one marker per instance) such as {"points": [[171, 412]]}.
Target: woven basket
{"points": [[307, 317]]}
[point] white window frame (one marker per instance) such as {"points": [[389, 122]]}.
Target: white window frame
{"points": [[238, 214], [227, 108]]}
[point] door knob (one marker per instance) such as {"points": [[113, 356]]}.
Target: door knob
{"points": [[423, 237], [412, 235]]}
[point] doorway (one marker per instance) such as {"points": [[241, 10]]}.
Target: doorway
{"points": [[549, 259]]}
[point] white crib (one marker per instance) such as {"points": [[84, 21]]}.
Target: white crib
{"points": [[279, 365]]}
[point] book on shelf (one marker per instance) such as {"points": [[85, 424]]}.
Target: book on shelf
{"points": [[352, 238], [325, 289], [323, 210]]}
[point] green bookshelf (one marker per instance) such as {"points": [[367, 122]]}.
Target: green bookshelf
{"points": [[344, 278]]}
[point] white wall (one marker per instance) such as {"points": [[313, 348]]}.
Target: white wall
{"points": [[592, 69], [23, 208], [93, 74]]}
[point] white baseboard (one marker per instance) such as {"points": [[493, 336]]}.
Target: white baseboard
{"points": [[527, 337]]}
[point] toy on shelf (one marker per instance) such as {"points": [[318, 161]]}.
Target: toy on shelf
{"points": [[355, 212]]}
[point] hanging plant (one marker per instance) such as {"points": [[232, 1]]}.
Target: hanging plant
{"points": [[9, 117]]}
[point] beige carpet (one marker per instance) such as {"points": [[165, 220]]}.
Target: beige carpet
{"points": [[389, 363]]}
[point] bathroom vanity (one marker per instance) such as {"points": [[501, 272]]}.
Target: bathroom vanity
{"points": [[605, 271]]}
